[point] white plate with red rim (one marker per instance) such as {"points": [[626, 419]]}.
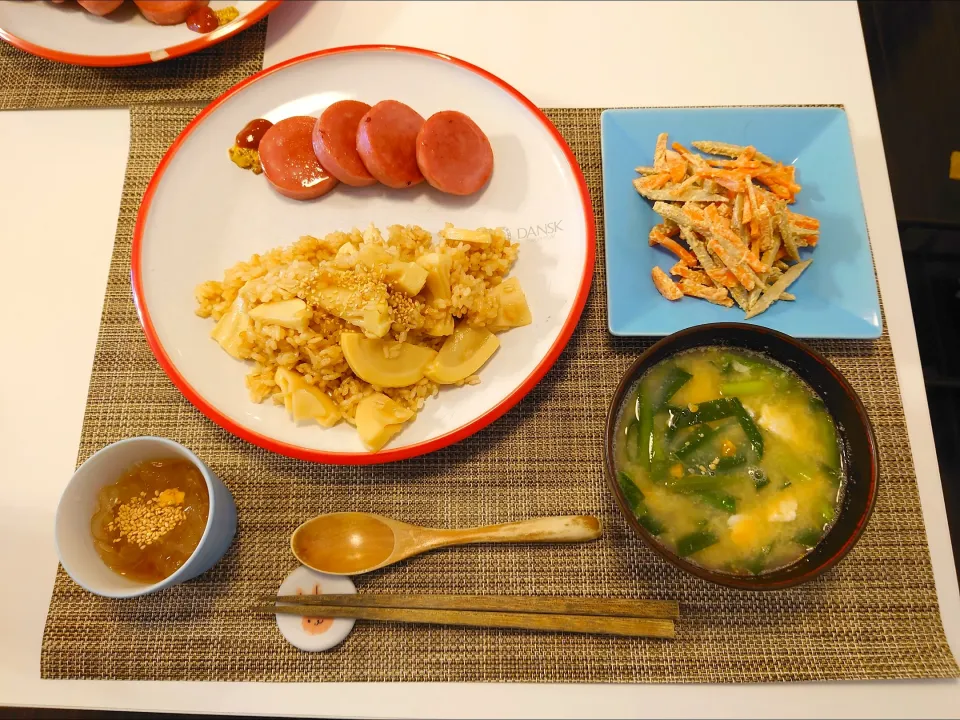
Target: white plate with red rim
{"points": [[68, 33], [201, 214]]}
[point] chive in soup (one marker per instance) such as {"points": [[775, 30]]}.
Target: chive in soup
{"points": [[730, 459]]}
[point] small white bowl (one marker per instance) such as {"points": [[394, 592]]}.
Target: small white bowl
{"points": [[78, 503]]}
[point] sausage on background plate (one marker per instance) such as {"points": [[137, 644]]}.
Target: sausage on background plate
{"points": [[387, 143], [453, 153], [100, 7], [335, 142], [289, 162], [169, 12]]}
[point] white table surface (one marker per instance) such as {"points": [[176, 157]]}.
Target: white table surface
{"points": [[59, 201]]}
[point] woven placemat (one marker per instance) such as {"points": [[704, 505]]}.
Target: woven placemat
{"points": [[28, 82], [874, 616]]}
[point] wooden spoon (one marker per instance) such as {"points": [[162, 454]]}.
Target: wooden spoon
{"points": [[353, 543]]}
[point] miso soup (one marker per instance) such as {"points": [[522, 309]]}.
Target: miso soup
{"points": [[730, 459]]}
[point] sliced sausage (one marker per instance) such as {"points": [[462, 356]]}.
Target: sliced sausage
{"points": [[291, 166], [100, 7], [169, 12], [335, 142], [453, 153], [387, 143]]}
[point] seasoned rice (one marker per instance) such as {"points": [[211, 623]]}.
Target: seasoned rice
{"points": [[286, 273]]}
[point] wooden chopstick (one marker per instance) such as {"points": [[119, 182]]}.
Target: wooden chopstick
{"points": [[602, 625], [537, 604]]}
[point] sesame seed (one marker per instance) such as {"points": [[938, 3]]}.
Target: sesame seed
{"points": [[144, 522], [364, 288]]}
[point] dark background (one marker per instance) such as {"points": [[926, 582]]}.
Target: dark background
{"points": [[914, 53]]}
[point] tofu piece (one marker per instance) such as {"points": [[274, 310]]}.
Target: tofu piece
{"points": [[784, 511], [777, 422]]}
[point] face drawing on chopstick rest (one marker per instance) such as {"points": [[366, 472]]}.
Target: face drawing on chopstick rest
{"points": [[315, 625]]}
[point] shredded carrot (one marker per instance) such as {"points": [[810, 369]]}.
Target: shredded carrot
{"points": [[665, 286], [747, 215], [723, 276], [692, 159], [654, 182], [676, 166], [779, 190], [660, 232], [734, 186], [735, 174], [787, 172], [676, 248], [686, 272], [663, 229], [721, 226], [688, 183], [750, 196], [741, 273], [780, 181], [712, 294], [711, 213], [659, 238], [714, 216]]}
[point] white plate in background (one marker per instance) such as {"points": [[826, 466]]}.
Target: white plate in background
{"points": [[67, 33]]}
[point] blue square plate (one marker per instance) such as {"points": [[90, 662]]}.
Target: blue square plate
{"points": [[836, 296]]}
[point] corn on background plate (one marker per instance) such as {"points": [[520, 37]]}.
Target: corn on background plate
{"points": [[201, 214], [836, 296]]}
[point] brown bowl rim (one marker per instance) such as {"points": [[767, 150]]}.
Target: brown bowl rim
{"points": [[756, 582]]}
